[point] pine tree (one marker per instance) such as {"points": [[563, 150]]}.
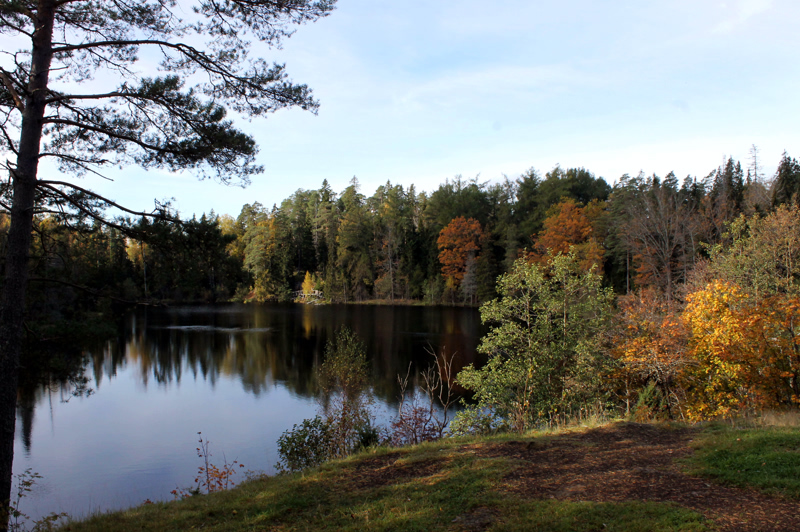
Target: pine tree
{"points": [[49, 110], [787, 181]]}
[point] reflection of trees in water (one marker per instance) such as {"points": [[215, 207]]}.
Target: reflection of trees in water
{"points": [[261, 346], [264, 345], [49, 375], [401, 335]]}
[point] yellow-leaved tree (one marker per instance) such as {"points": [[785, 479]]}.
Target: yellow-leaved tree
{"points": [[308, 285], [745, 320], [719, 382]]}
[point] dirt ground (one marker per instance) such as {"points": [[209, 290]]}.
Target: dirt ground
{"points": [[631, 461], [620, 462]]}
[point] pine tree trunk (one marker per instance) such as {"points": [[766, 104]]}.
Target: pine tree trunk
{"points": [[12, 302]]}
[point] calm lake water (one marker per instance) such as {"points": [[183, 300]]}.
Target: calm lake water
{"points": [[240, 374]]}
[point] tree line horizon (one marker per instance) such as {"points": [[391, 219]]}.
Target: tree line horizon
{"points": [[444, 247]]}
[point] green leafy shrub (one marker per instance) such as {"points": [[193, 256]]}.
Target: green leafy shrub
{"points": [[306, 445], [367, 435], [476, 421], [544, 347], [650, 404]]}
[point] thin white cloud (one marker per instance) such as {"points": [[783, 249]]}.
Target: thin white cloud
{"points": [[740, 13], [495, 84]]}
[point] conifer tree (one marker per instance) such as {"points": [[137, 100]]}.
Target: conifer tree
{"points": [[787, 181]]}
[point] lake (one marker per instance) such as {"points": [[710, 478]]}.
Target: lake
{"points": [[240, 374]]}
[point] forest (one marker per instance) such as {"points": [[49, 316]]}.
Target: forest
{"points": [[443, 247], [703, 272]]}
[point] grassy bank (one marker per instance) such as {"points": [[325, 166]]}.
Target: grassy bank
{"points": [[764, 458], [498, 483]]}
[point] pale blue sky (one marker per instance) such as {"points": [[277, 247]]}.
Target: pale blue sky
{"points": [[418, 91]]}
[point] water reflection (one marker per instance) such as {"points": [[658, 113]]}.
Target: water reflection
{"points": [[49, 377], [242, 374], [262, 345]]}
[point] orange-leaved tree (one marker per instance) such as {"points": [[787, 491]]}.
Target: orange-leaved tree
{"points": [[569, 226], [775, 342], [650, 347], [459, 243]]}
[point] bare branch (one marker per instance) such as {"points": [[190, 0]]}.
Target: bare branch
{"points": [[403, 382], [440, 382], [8, 24], [62, 97], [9, 140], [82, 163], [99, 218], [121, 43]]}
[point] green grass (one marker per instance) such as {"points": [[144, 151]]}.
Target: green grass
{"points": [[439, 486], [624, 517], [766, 458]]}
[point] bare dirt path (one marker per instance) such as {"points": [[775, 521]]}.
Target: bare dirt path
{"points": [[631, 461]]}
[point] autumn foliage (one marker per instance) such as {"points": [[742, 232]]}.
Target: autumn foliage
{"points": [[650, 347], [458, 243], [569, 227], [746, 351], [721, 380], [731, 343], [210, 478]]}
